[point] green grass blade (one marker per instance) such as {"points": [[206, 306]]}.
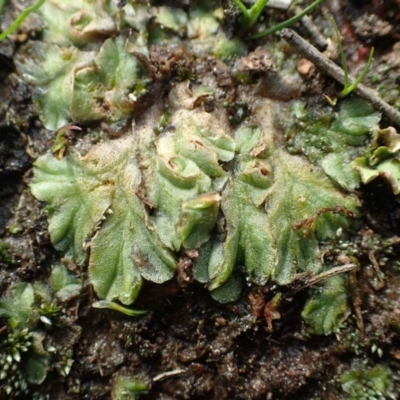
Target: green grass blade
{"points": [[349, 88], [256, 10], [2, 5], [243, 10], [288, 22], [18, 21], [342, 55]]}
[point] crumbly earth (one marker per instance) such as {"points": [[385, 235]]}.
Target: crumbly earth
{"points": [[189, 346]]}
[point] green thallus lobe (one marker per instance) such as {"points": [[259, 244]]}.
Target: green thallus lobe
{"points": [[242, 215], [233, 201]]}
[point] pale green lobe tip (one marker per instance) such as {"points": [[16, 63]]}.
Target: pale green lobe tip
{"points": [[257, 173], [294, 198], [389, 169], [379, 379], [333, 141], [336, 166], [36, 369], [123, 247], [198, 218], [16, 306], [382, 160], [189, 161], [124, 251], [75, 214], [329, 307], [246, 139], [127, 387], [261, 235], [229, 291], [172, 18], [179, 171], [82, 86], [63, 283]]}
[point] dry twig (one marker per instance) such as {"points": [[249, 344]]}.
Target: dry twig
{"points": [[311, 53]]}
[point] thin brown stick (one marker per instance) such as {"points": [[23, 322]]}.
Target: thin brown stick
{"points": [[330, 272], [305, 280], [317, 37], [168, 374], [379, 274], [311, 53]]}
